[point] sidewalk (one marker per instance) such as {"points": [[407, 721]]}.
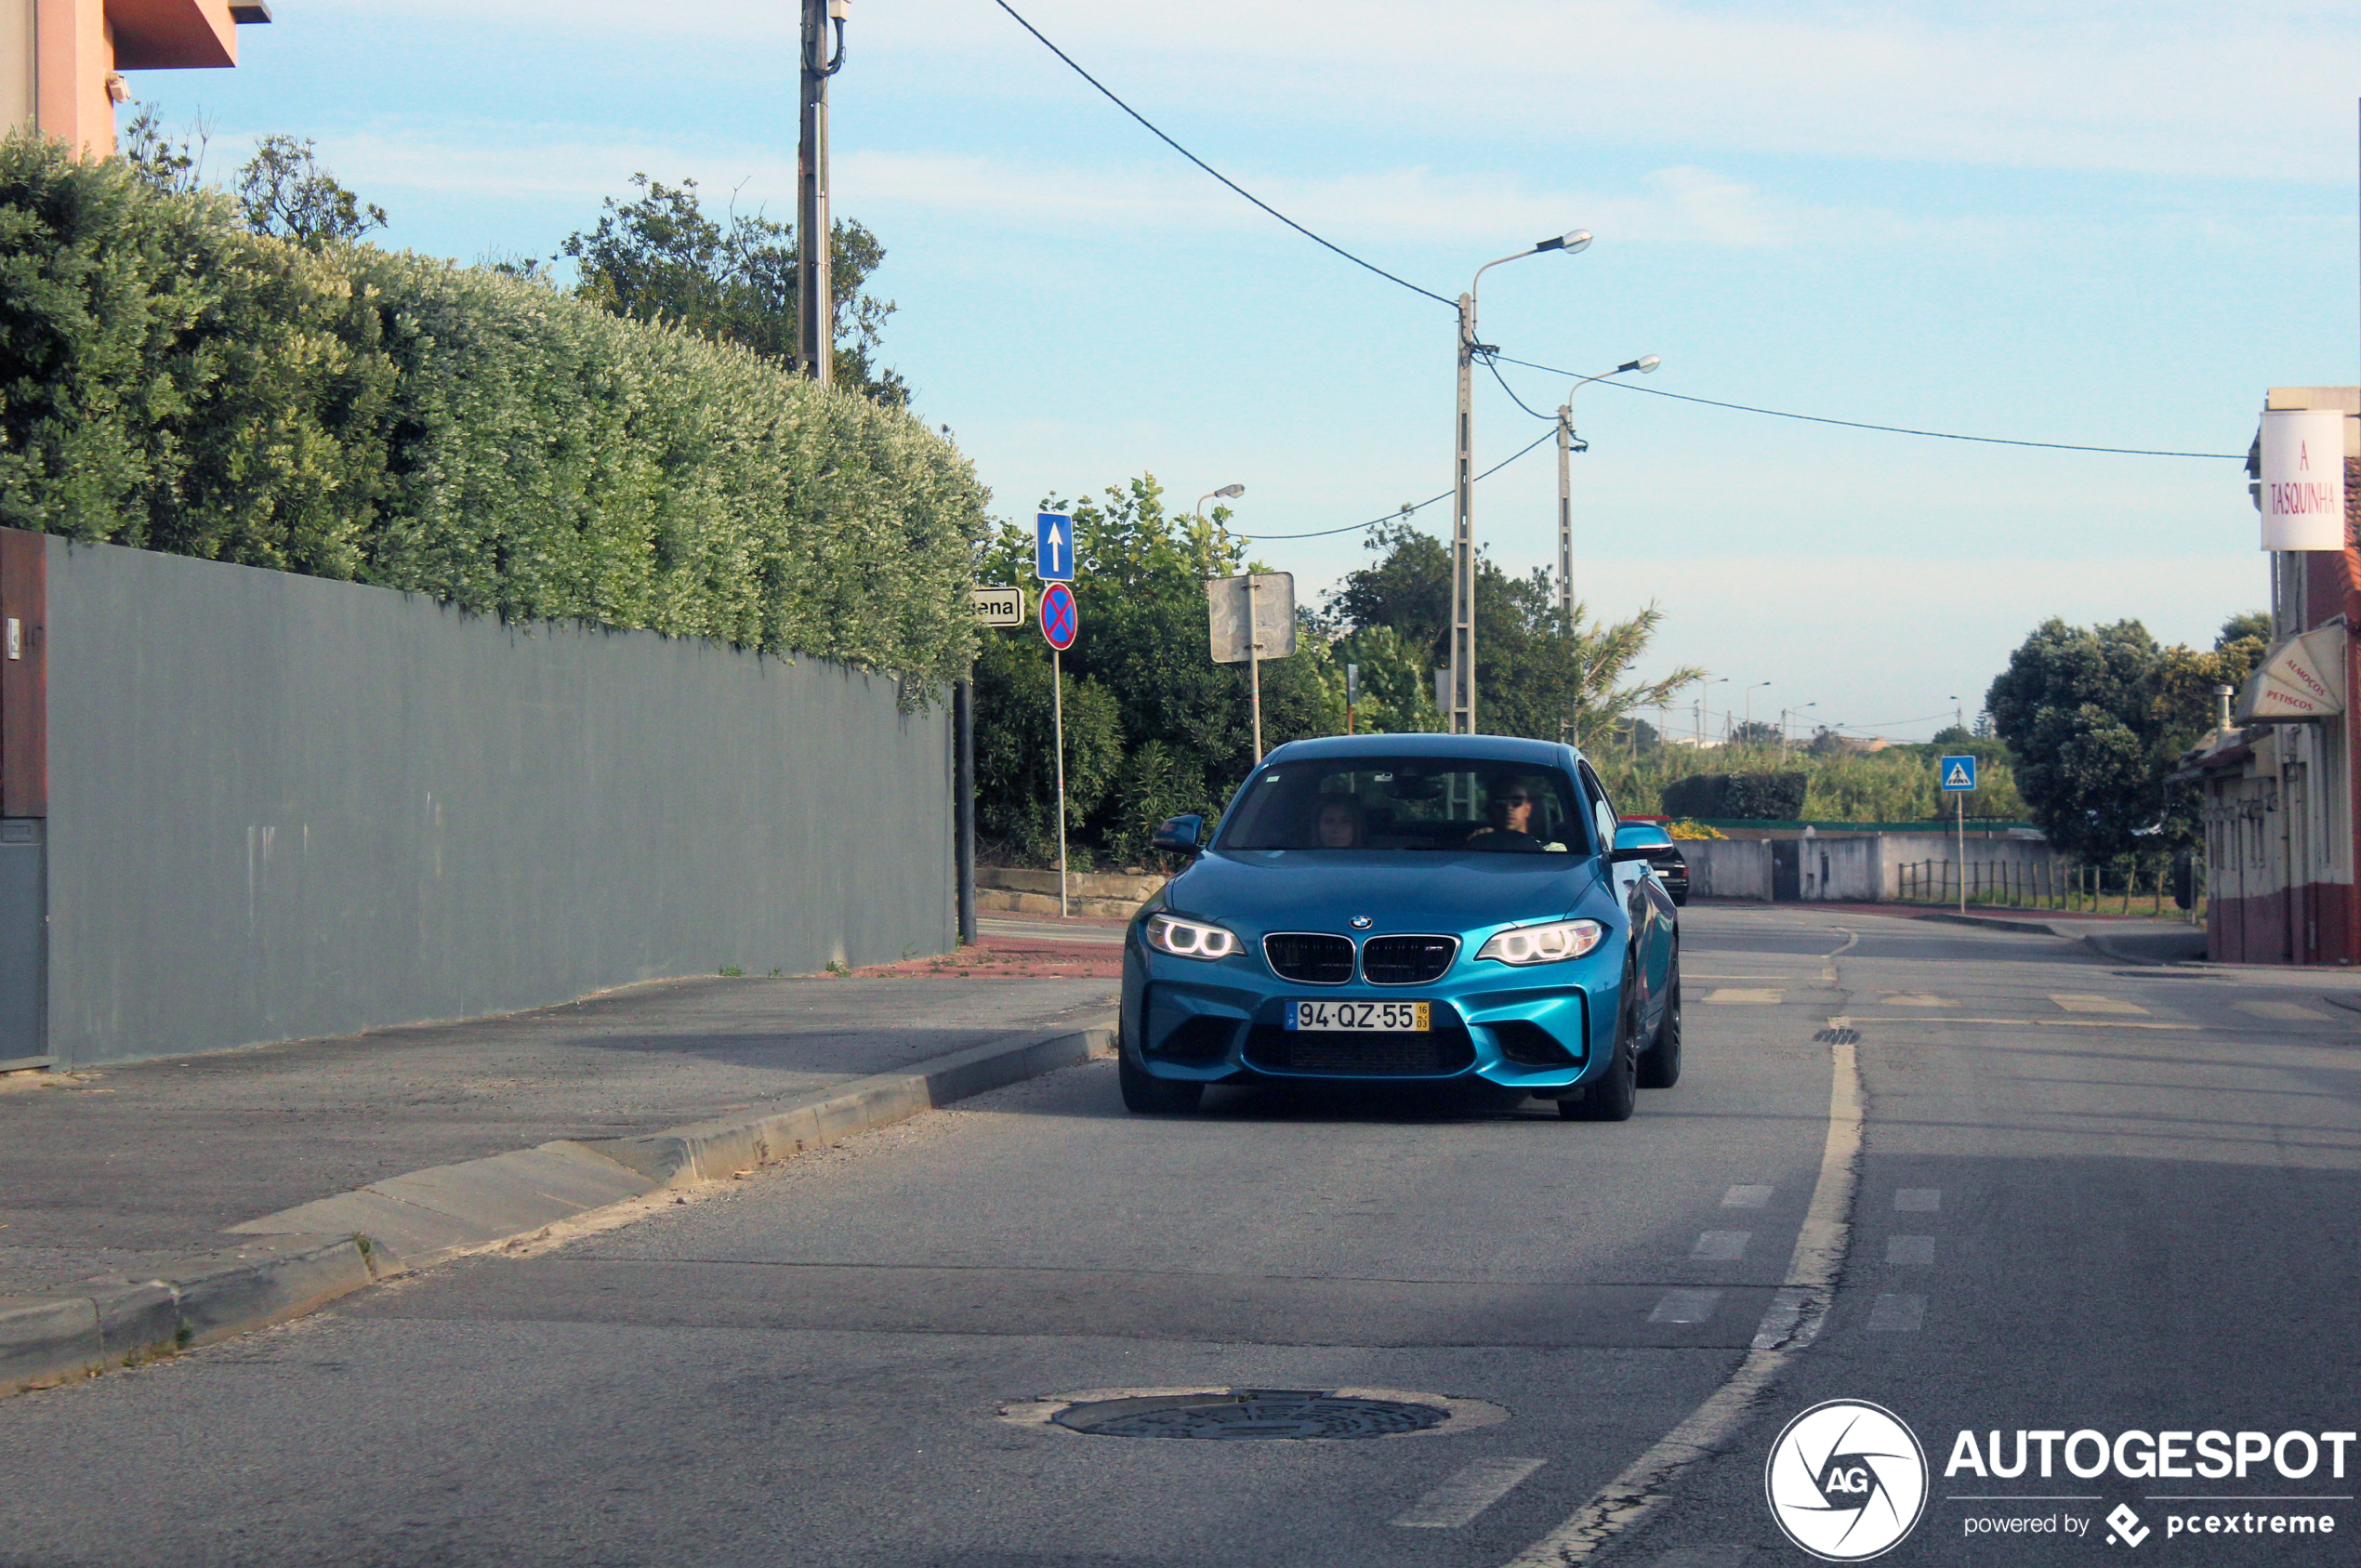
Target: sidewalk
{"points": [[115, 1170]]}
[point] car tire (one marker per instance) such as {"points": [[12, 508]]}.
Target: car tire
{"points": [[1660, 1063], [1615, 1096], [1147, 1095]]}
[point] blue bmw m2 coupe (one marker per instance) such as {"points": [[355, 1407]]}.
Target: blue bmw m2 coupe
{"points": [[1404, 909]]}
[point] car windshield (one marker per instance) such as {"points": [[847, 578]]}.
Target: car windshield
{"points": [[1408, 803]]}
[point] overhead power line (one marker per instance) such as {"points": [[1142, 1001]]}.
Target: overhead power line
{"points": [[1217, 173], [1405, 511], [1860, 425]]}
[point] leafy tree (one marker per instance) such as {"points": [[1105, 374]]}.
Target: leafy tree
{"points": [[661, 257], [283, 191], [1397, 694], [1754, 732], [169, 167], [2096, 718], [1533, 675], [1016, 767]]}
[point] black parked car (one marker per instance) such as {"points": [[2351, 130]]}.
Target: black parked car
{"points": [[1670, 868]]}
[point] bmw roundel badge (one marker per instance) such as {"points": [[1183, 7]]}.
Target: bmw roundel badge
{"points": [[1360, 922]]}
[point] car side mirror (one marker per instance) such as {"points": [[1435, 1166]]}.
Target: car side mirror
{"points": [[1638, 841], [1179, 835]]}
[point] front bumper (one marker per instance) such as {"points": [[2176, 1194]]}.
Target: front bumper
{"points": [[1545, 1028]]}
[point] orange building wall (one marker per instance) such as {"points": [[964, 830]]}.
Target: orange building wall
{"points": [[80, 43]]}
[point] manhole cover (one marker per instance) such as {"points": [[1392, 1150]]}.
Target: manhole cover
{"points": [[1252, 1414], [1838, 1037]]}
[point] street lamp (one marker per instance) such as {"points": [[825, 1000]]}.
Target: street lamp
{"points": [[1645, 364], [1702, 683], [1463, 712], [1748, 731], [1227, 493]]}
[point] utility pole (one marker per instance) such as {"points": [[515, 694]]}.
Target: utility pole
{"points": [[815, 297], [1463, 564]]}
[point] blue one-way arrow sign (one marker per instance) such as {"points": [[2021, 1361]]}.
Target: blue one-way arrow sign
{"points": [[1053, 548], [1956, 772]]}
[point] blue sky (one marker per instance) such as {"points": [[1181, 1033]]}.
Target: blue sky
{"points": [[2109, 223]]}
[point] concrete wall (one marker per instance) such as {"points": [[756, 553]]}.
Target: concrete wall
{"points": [[282, 808], [1727, 868]]}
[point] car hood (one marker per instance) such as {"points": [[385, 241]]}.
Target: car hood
{"points": [[1309, 889]]}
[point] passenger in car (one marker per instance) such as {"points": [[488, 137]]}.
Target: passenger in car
{"points": [[1343, 825]]}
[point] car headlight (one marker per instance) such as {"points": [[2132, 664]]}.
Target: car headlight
{"points": [[1191, 939], [1545, 944]]}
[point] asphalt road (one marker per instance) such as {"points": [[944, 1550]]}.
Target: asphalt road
{"points": [[2087, 1199]]}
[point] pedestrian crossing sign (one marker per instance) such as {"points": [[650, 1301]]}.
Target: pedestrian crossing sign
{"points": [[1956, 772]]}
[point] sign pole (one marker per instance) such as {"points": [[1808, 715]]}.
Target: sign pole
{"points": [[963, 769], [1254, 669], [1959, 804], [1058, 721]]}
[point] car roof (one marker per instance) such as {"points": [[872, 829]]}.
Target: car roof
{"points": [[1485, 748]]}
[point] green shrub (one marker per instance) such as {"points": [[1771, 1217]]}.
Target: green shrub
{"points": [[170, 381]]}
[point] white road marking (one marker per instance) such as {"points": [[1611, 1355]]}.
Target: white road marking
{"points": [[1898, 1314], [2286, 1013], [1747, 1197], [1916, 1252], [1686, 1306], [1466, 1493], [1692, 974], [1919, 1200], [1917, 999], [1726, 997], [2083, 1002], [1798, 1308], [2014, 1023], [1720, 1246]]}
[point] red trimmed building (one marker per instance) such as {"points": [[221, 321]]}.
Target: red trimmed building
{"points": [[2281, 813]]}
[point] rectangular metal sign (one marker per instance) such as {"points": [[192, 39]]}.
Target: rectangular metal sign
{"points": [[999, 607], [1273, 594], [2302, 489], [1956, 772], [1053, 546]]}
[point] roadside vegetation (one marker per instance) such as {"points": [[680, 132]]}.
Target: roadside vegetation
{"points": [[242, 377]]}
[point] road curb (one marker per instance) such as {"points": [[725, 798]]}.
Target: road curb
{"points": [[285, 1265]]}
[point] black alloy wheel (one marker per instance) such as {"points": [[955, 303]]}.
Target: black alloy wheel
{"points": [[1615, 1096], [1147, 1095], [1660, 1063]]}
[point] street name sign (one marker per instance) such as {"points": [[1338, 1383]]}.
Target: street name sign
{"points": [[999, 607], [1059, 619], [1274, 617], [1956, 772], [1053, 548]]}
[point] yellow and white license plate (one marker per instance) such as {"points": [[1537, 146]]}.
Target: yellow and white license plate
{"points": [[1398, 1018]]}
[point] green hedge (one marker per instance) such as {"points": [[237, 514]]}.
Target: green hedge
{"points": [[170, 381], [1744, 796]]}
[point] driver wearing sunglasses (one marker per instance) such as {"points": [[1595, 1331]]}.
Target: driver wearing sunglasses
{"points": [[1511, 802]]}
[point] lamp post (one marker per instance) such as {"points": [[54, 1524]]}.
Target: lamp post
{"points": [[1227, 493], [1748, 731], [815, 301], [1702, 683], [1645, 365], [1463, 714]]}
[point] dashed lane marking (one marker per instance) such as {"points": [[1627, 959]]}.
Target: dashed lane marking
{"points": [[1898, 1314], [1910, 1252], [1726, 997], [2285, 1012], [1747, 1197], [1917, 999], [2085, 1002], [1919, 1200], [1798, 1308], [1945, 1020], [1686, 1306], [1467, 1493], [1720, 1246]]}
